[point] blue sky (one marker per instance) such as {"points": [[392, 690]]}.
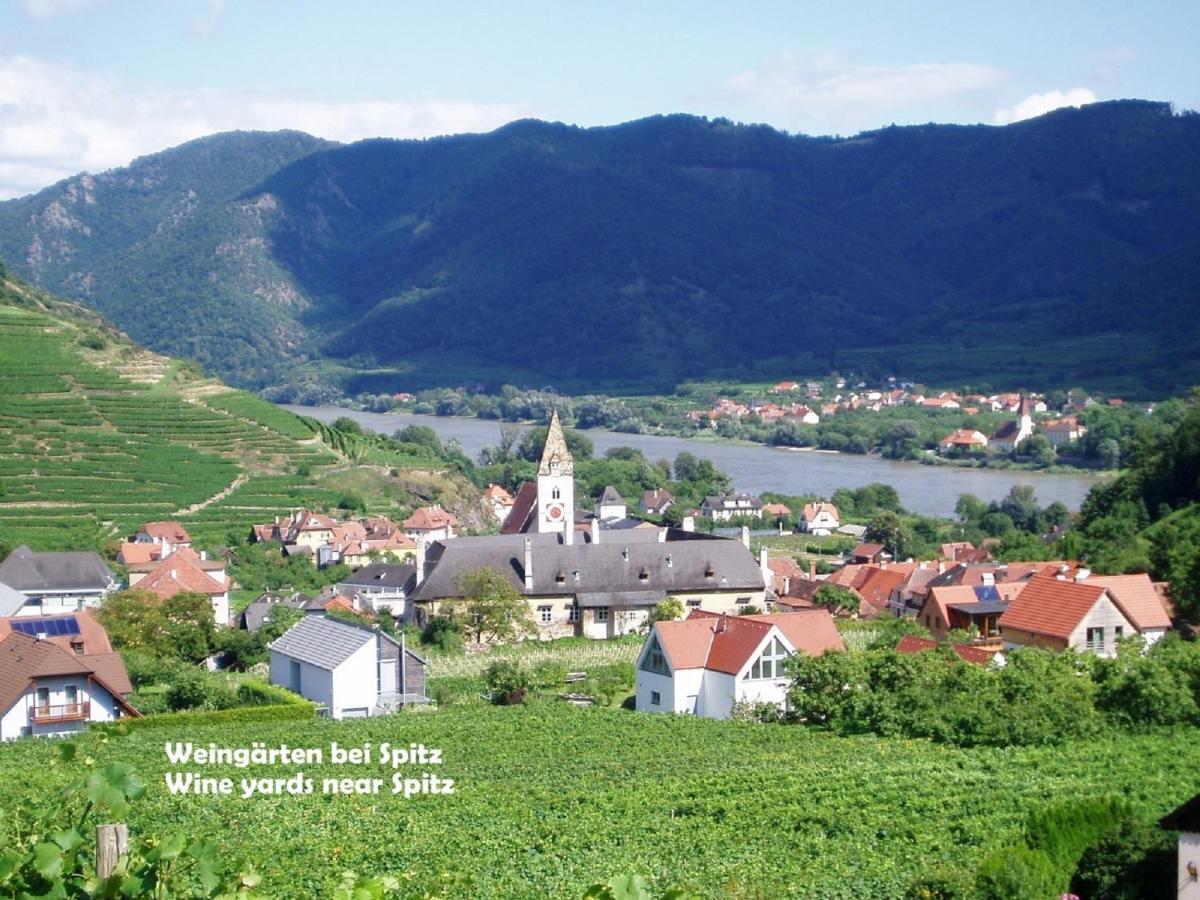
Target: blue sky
{"points": [[90, 84]]}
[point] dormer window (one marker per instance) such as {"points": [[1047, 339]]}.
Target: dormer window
{"points": [[560, 577], [709, 571], [555, 468], [644, 574]]}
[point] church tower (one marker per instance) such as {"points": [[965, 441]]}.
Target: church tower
{"points": [[556, 485]]}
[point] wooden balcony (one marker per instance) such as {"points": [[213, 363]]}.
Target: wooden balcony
{"points": [[66, 712]]}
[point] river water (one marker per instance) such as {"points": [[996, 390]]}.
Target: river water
{"points": [[755, 468]]}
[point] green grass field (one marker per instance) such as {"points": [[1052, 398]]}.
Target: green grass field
{"points": [[550, 798]]}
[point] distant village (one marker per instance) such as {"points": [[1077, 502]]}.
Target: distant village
{"points": [[595, 572]]}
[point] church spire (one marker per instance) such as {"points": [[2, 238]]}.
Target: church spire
{"points": [[556, 458]]}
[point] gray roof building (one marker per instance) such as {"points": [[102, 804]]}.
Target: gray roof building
{"points": [[34, 574], [325, 643], [615, 572], [382, 576], [255, 615]]}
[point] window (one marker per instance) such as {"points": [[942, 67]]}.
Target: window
{"points": [[601, 613], [1118, 632], [655, 698], [43, 697], [1095, 639], [770, 664], [546, 614], [693, 604], [573, 613], [655, 660], [72, 695], [556, 494]]}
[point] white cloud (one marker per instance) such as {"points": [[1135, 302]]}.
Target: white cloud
{"points": [[55, 122], [1037, 104], [48, 9], [832, 90]]}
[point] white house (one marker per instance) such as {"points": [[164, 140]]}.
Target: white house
{"points": [[381, 586], [724, 507], [1186, 821], [46, 690], [706, 663], [1139, 601], [350, 670], [611, 505], [56, 582], [819, 518]]}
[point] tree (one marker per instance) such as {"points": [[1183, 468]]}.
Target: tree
{"points": [[836, 598], [189, 629], [422, 436], [969, 508], [1108, 451], [495, 610], [133, 620], [666, 611], [1039, 449], [346, 425], [888, 529]]}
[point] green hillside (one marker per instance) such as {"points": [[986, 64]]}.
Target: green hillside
{"points": [[1050, 252], [98, 436]]}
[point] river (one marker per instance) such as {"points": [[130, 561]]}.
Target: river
{"points": [[755, 468]]}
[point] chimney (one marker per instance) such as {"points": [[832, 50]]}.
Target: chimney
{"points": [[941, 566], [688, 523], [528, 564], [420, 561], [203, 555], [812, 570], [988, 579], [762, 564], [596, 530], [1083, 574], [746, 536]]}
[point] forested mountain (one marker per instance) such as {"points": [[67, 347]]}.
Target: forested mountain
{"points": [[1059, 250]]}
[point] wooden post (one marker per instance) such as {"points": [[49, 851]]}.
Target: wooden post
{"points": [[112, 842]]}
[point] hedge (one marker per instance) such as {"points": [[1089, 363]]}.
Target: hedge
{"points": [[277, 712]]}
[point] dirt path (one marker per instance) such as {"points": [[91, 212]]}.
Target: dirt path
{"points": [[215, 498]]}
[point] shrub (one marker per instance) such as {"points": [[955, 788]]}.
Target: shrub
{"points": [[243, 715], [549, 674], [444, 633], [1134, 861], [507, 681], [1017, 873]]}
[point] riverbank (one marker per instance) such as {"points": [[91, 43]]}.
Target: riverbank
{"points": [[758, 468]]}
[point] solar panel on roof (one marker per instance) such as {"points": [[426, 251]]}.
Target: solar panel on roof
{"points": [[50, 627]]}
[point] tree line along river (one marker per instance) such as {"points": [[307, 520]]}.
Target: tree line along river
{"points": [[929, 490]]}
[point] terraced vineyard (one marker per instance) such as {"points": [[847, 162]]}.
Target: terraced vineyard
{"points": [[87, 454]]}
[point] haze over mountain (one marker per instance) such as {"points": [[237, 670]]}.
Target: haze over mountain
{"points": [[1059, 250]]}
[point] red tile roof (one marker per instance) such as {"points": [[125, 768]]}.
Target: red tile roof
{"points": [[812, 510], [135, 554], [178, 573], [91, 633], [975, 655], [1051, 607], [522, 509], [166, 531], [1137, 598], [726, 643]]}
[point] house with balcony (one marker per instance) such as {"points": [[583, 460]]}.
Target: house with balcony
{"points": [[46, 690], [724, 507], [819, 518], [1061, 614]]}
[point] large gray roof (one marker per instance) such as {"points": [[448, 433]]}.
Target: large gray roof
{"points": [[380, 575], [635, 570], [324, 643], [26, 570]]}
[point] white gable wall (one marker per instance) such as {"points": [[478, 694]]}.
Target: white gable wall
{"points": [[356, 683], [1103, 614], [103, 707], [316, 684], [1188, 852]]}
